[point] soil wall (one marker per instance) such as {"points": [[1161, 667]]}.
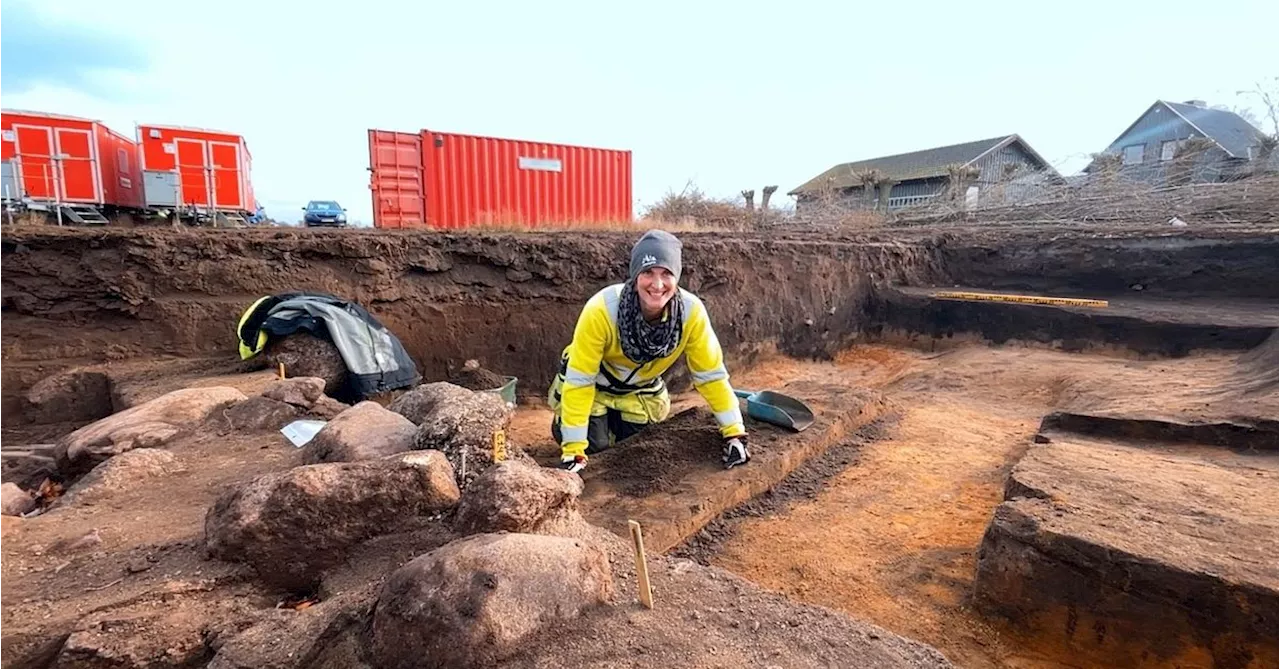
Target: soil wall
{"points": [[72, 296], [510, 301], [1241, 265]]}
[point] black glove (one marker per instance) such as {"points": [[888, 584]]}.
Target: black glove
{"points": [[735, 452]]}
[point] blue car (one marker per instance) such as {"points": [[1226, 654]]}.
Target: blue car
{"points": [[324, 213]]}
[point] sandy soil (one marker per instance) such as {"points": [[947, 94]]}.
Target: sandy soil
{"points": [[893, 539]]}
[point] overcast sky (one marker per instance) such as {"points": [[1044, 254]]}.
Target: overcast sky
{"points": [[740, 96]]}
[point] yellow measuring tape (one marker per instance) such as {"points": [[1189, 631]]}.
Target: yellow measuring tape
{"points": [[1024, 299]]}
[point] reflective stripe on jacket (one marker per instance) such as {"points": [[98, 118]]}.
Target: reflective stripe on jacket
{"points": [[595, 358]]}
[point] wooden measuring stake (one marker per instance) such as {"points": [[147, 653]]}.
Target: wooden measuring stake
{"points": [[282, 371], [642, 567]]}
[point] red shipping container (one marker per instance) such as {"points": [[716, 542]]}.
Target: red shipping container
{"points": [[204, 161], [66, 159], [447, 181]]}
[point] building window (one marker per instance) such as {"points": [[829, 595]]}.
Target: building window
{"points": [[122, 161], [1133, 154], [1168, 149]]}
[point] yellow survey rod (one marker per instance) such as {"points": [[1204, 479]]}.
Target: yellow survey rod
{"points": [[1025, 299]]}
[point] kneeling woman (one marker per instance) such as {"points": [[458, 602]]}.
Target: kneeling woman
{"points": [[610, 382]]}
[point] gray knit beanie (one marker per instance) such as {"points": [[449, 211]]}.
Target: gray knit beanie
{"points": [[657, 248]]}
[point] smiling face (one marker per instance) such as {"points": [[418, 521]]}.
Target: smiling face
{"points": [[656, 286]]}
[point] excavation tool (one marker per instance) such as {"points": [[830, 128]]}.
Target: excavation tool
{"points": [[777, 409]]}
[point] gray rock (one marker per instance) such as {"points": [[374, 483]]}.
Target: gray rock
{"points": [[457, 421], [421, 402], [301, 391], [123, 472], [15, 501], [472, 601], [517, 497], [147, 425], [261, 413], [291, 526], [327, 408]]}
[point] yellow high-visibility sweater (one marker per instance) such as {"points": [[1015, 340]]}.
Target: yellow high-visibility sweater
{"points": [[597, 348]]}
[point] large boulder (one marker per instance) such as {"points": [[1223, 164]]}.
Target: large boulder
{"points": [[131, 634], [329, 634], [471, 602], [302, 391], [123, 472], [15, 501], [327, 408], [291, 526], [423, 401], [72, 396], [303, 354], [260, 413], [147, 425], [366, 431], [462, 424], [516, 496]]}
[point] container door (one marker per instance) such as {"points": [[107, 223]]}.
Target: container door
{"points": [[225, 159], [191, 171], [395, 177], [33, 147], [77, 167]]}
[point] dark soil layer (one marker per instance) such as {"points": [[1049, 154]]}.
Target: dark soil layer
{"points": [[1113, 262], [1146, 326], [657, 459], [1246, 435]]}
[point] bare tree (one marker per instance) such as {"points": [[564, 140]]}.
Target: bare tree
{"points": [[750, 197], [869, 179], [1268, 97], [768, 193]]}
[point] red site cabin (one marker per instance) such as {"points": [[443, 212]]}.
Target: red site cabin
{"points": [[182, 166], [445, 180], [52, 160]]}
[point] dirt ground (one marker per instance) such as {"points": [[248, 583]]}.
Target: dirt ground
{"points": [[893, 540], [884, 525], [124, 573]]}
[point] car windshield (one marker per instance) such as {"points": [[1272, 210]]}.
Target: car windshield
{"points": [[324, 206]]}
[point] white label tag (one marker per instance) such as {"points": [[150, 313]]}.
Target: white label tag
{"points": [[540, 164], [9, 136], [299, 432]]}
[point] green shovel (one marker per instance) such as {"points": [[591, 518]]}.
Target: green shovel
{"points": [[777, 409]]}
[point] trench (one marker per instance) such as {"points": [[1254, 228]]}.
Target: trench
{"points": [[846, 323]]}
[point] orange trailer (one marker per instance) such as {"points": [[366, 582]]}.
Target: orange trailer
{"points": [[55, 160], [182, 166]]}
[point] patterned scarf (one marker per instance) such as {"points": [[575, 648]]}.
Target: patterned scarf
{"points": [[643, 342]]}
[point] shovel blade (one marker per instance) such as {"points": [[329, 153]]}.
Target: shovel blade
{"points": [[778, 409]]}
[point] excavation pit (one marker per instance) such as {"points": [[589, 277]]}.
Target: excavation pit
{"points": [[822, 550]]}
